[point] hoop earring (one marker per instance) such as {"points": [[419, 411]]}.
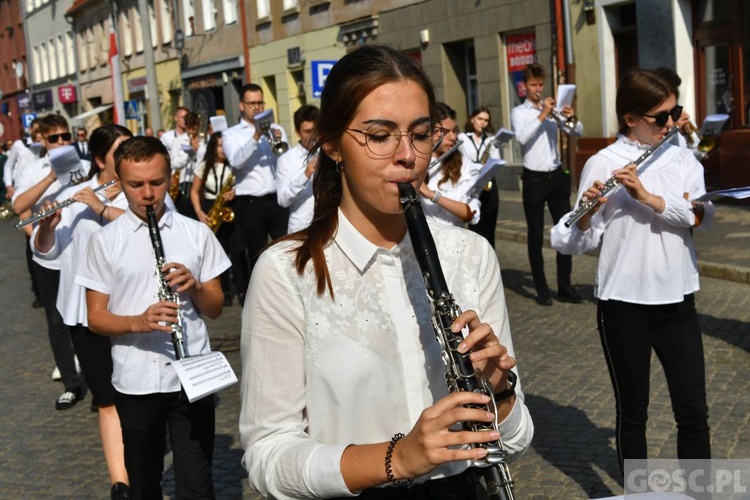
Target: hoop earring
{"points": [[339, 166]]}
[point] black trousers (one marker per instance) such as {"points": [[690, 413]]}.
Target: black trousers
{"points": [[552, 188], [628, 333], [145, 420], [58, 332], [29, 261], [261, 219], [490, 200], [233, 280], [95, 356], [463, 486]]}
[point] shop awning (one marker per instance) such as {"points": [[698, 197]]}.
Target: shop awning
{"points": [[90, 113]]}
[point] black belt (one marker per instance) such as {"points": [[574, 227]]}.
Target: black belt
{"points": [[463, 486], [269, 196]]}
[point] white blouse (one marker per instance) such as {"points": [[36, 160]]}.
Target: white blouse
{"points": [[460, 191], [646, 257], [320, 373]]}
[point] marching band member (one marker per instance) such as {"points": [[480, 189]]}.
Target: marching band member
{"points": [[211, 177], [545, 181], [476, 139], [647, 271], [65, 234], [445, 193], [295, 170], [186, 154], [122, 303], [251, 155], [38, 184], [338, 349]]}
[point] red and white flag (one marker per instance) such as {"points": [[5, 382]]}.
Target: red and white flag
{"points": [[114, 65]]}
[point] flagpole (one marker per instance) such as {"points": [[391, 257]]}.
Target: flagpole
{"points": [[114, 64]]}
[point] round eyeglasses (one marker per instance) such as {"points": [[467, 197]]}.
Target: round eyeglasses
{"points": [[383, 140]]}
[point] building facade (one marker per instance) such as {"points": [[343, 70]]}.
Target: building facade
{"points": [[14, 100]]}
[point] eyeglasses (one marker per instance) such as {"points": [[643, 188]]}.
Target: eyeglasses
{"points": [[383, 140], [54, 138], [255, 103], [661, 119]]}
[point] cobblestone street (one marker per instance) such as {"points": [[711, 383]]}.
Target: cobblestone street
{"points": [[56, 454]]}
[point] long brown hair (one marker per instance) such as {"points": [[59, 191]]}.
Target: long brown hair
{"points": [[452, 163], [640, 91], [211, 156], [469, 127], [349, 82]]}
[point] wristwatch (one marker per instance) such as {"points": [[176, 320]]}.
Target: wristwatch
{"points": [[510, 391]]}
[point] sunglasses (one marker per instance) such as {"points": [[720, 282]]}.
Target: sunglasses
{"points": [[54, 138], [661, 119]]}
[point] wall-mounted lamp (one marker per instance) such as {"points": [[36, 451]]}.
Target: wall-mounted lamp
{"points": [[424, 38], [588, 5]]}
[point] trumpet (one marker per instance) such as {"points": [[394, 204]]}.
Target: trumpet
{"points": [[263, 121], [705, 143], [6, 211], [566, 123], [41, 214]]}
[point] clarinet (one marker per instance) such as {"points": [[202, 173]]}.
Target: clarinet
{"points": [[612, 184], [165, 291], [460, 374]]}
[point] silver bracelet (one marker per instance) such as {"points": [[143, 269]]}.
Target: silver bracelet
{"points": [[437, 196]]}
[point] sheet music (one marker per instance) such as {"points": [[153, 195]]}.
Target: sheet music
{"points": [[219, 123], [67, 165], [204, 374], [485, 175], [565, 95], [736, 193]]}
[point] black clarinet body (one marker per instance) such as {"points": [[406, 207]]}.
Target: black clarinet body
{"points": [[460, 373], [165, 291]]}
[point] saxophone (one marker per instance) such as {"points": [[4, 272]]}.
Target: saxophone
{"points": [[220, 212], [165, 291], [460, 374]]}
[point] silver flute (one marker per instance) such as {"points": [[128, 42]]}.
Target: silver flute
{"points": [[41, 214], [460, 373], [612, 184], [442, 157]]}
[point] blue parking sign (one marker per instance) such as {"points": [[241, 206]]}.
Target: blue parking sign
{"points": [[320, 70], [27, 118]]}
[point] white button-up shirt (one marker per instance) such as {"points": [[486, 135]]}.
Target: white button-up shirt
{"points": [[459, 191], [294, 188], [18, 157], [319, 374], [120, 262], [77, 223], [473, 148], [184, 158], [538, 139], [254, 161], [645, 258]]}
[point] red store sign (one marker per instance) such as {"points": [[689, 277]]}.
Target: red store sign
{"points": [[521, 50], [67, 94]]}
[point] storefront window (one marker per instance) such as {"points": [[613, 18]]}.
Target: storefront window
{"points": [[714, 11], [718, 84]]}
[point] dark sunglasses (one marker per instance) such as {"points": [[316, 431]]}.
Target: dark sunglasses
{"points": [[661, 119], [54, 138]]}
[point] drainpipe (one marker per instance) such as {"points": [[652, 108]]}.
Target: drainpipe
{"points": [[245, 48]]}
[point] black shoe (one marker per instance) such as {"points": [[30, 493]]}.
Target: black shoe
{"points": [[568, 294], [68, 399], [37, 304], [120, 491], [544, 298]]}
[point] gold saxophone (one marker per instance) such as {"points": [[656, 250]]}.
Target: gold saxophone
{"points": [[220, 212]]}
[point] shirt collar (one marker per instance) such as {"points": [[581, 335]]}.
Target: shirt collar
{"points": [[358, 249], [134, 222], [530, 105]]}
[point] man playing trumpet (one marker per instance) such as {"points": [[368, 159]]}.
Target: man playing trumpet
{"points": [[252, 157], [186, 154], [544, 179]]}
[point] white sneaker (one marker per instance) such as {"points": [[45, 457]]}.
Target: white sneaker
{"points": [[56, 375]]}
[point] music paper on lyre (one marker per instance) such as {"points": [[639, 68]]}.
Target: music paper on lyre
{"points": [[204, 374], [219, 123], [66, 164]]}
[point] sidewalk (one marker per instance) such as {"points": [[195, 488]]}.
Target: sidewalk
{"points": [[723, 252]]}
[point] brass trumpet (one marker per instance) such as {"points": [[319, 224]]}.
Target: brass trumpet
{"points": [[6, 211], [263, 121], [705, 143], [567, 123]]}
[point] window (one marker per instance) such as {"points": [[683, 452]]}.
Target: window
{"points": [[83, 59], [188, 17], [152, 25], [290, 4], [126, 34], [166, 22], [230, 11], [44, 61], [263, 9], [103, 43], [61, 59], [209, 14], [138, 31], [70, 52], [36, 64], [91, 48]]}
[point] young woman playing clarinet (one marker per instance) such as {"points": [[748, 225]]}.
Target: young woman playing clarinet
{"points": [[339, 354], [647, 273]]}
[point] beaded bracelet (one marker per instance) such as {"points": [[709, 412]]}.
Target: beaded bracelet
{"points": [[388, 457]]}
